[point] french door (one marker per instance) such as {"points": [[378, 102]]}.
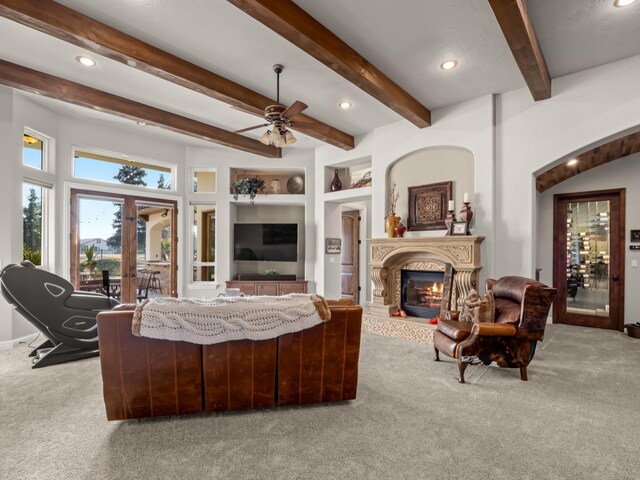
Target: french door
{"points": [[131, 237], [588, 259]]}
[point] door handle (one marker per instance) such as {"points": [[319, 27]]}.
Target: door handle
{"points": [[615, 278], [124, 275]]}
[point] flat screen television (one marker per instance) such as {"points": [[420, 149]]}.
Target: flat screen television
{"points": [[265, 242]]}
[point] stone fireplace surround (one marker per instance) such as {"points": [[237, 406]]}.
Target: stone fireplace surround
{"points": [[388, 256]]}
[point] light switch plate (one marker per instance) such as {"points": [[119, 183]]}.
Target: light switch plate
{"points": [[634, 263]]}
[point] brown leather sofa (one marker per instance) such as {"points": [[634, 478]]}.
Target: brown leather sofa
{"points": [[144, 377], [522, 306]]}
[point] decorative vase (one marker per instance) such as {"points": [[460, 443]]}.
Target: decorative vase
{"points": [[466, 214], [391, 221], [400, 229], [336, 184]]}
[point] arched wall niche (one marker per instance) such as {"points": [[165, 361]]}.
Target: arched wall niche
{"points": [[430, 165]]}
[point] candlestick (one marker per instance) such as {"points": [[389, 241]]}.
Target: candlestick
{"points": [[466, 214], [451, 217], [452, 205]]}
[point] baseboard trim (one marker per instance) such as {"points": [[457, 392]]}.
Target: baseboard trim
{"points": [[9, 344]]}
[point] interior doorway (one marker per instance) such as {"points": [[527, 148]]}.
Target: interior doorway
{"points": [[588, 258], [350, 256], [133, 238]]}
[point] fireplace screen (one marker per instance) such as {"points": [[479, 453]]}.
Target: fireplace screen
{"points": [[421, 293]]}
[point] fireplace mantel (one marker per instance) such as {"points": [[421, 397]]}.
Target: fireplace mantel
{"points": [[387, 256]]}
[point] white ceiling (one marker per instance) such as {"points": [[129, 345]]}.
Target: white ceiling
{"points": [[407, 40]]}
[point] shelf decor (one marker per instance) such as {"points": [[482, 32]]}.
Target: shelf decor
{"points": [[361, 178], [248, 186], [391, 221], [428, 206], [336, 183]]}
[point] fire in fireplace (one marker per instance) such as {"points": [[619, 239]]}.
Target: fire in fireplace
{"points": [[421, 293]]}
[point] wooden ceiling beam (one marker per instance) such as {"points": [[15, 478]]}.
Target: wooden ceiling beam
{"points": [[293, 23], [71, 26], [615, 149], [517, 28], [23, 78]]}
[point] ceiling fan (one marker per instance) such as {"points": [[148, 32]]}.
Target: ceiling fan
{"points": [[279, 118]]}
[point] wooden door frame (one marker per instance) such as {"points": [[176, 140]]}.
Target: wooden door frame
{"points": [[129, 257], [560, 260]]}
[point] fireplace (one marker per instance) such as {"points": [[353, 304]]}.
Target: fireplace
{"points": [[457, 256], [422, 292]]}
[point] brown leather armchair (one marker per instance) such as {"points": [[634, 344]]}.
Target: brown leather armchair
{"points": [[522, 306]]}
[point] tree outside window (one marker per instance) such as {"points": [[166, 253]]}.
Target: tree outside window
{"points": [[32, 223]]}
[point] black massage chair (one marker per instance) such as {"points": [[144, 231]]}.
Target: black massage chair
{"points": [[66, 317]]}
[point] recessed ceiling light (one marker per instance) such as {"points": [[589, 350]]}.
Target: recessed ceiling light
{"points": [[142, 124], [623, 3], [345, 105], [86, 61], [449, 65], [572, 162]]}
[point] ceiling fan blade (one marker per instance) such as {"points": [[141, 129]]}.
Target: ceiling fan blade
{"points": [[252, 128], [295, 109]]}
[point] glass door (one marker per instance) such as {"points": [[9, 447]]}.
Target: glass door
{"points": [[155, 254], [133, 238], [97, 230], [588, 260]]}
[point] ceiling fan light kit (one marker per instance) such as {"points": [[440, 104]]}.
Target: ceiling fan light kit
{"points": [[280, 118]]}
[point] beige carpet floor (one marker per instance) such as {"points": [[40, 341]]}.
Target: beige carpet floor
{"points": [[578, 417]]}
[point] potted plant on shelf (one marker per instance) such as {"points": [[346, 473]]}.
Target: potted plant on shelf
{"points": [[90, 260], [391, 221], [248, 186]]}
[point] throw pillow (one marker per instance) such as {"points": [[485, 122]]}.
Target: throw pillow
{"points": [[478, 309]]}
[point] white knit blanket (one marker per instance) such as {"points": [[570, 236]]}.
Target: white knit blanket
{"points": [[217, 320]]}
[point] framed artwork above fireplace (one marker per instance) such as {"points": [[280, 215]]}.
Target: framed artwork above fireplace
{"points": [[428, 206]]}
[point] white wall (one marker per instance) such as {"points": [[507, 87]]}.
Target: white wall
{"points": [[8, 153], [623, 173], [431, 166], [585, 108]]}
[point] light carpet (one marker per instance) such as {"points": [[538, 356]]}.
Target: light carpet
{"points": [[576, 418]]}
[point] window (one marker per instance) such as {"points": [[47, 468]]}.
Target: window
{"points": [[33, 151], [33, 224], [94, 166], [204, 243], [204, 180]]}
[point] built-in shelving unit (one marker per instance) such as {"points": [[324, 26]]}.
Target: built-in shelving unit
{"points": [[276, 182], [354, 175]]}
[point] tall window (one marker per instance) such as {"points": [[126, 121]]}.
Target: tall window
{"points": [[204, 243], [32, 151], [93, 166], [33, 226]]}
